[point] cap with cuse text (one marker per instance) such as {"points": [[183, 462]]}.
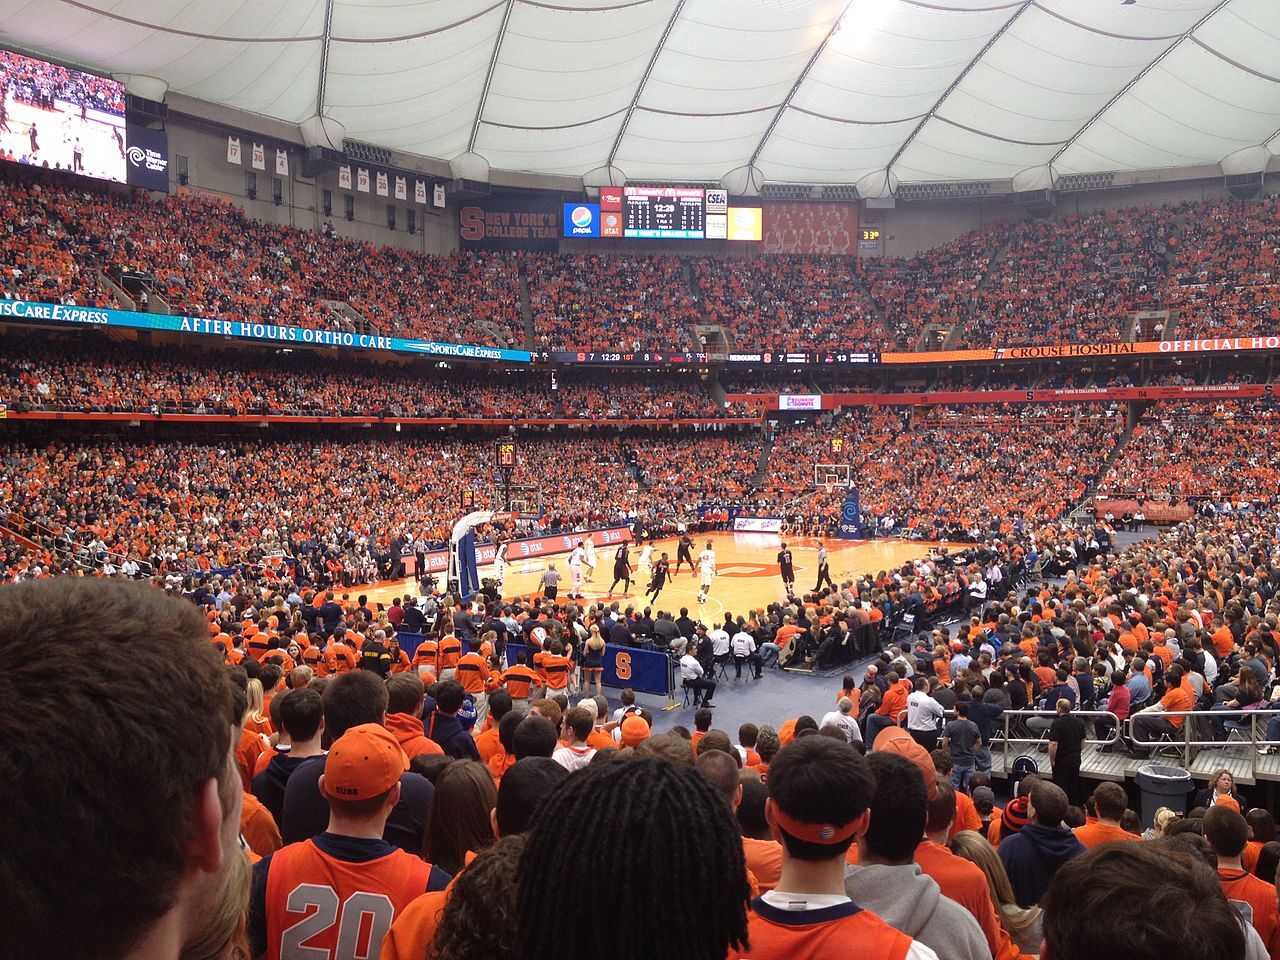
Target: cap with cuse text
{"points": [[362, 763]]}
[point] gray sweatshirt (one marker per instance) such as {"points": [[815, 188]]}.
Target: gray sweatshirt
{"points": [[911, 902]]}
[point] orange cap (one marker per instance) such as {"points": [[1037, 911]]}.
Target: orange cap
{"points": [[1226, 800], [362, 763], [896, 740], [634, 731]]}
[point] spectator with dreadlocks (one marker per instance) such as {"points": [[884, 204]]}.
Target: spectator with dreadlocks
{"points": [[654, 829]]}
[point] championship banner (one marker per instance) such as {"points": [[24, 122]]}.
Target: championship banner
{"points": [[402, 189], [282, 162], [850, 526], [382, 183], [23, 311], [258, 158], [233, 150], [344, 178], [510, 222]]}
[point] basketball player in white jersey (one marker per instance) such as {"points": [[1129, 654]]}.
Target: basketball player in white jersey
{"points": [[644, 567], [589, 558], [575, 571], [500, 562], [706, 571]]}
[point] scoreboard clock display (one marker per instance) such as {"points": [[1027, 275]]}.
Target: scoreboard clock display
{"points": [[678, 213]]}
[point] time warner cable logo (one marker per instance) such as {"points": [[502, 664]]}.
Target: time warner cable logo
{"points": [[148, 159]]}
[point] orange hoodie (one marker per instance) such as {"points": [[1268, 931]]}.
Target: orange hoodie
{"points": [[407, 728]]}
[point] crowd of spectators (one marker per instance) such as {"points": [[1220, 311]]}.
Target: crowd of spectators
{"points": [[443, 787], [934, 287], [1033, 281], [100, 376], [1226, 282], [954, 473], [41, 83], [1072, 279], [208, 259], [782, 303], [607, 303], [1215, 450]]}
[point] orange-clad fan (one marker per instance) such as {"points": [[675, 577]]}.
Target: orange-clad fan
{"points": [[519, 680], [471, 671], [1110, 803], [819, 799], [556, 668], [1254, 898], [426, 659], [528, 787], [339, 657], [404, 715], [450, 652], [347, 884]]}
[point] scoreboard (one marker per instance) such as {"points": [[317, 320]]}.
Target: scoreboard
{"points": [[667, 212], [663, 213]]}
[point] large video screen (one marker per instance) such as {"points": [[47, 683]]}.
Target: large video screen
{"points": [[662, 213], [56, 117]]}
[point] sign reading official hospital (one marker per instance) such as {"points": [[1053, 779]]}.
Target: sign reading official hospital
{"points": [[23, 311]]}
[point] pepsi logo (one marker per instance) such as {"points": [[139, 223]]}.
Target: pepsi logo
{"points": [[581, 217]]}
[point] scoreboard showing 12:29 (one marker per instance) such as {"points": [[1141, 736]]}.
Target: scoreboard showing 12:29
{"points": [[664, 212]]}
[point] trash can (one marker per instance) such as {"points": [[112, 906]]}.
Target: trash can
{"points": [[1162, 786]]}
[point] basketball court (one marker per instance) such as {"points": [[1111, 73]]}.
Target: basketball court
{"points": [[747, 576]]}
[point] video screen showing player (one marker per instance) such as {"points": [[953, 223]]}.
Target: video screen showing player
{"points": [[64, 119]]}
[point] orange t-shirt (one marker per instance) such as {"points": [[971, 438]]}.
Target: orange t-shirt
{"points": [[966, 815], [258, 827], [1096, 834], [472, 671], [519, 681], [764, 859], [247, 752], [964, 882], [1223, 641], [415, 927], [1255, 900], [775, 932]]}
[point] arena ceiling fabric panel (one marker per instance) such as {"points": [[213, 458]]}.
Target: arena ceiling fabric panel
{"points": [[871, 92]]}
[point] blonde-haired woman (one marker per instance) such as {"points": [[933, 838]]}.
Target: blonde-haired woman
{"points": [[593, 662], [223, 936], [256, 719], [1022, 924], [1159, 824]]}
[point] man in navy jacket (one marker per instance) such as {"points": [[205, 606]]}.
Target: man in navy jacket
{"points": [[1033, 855]]}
